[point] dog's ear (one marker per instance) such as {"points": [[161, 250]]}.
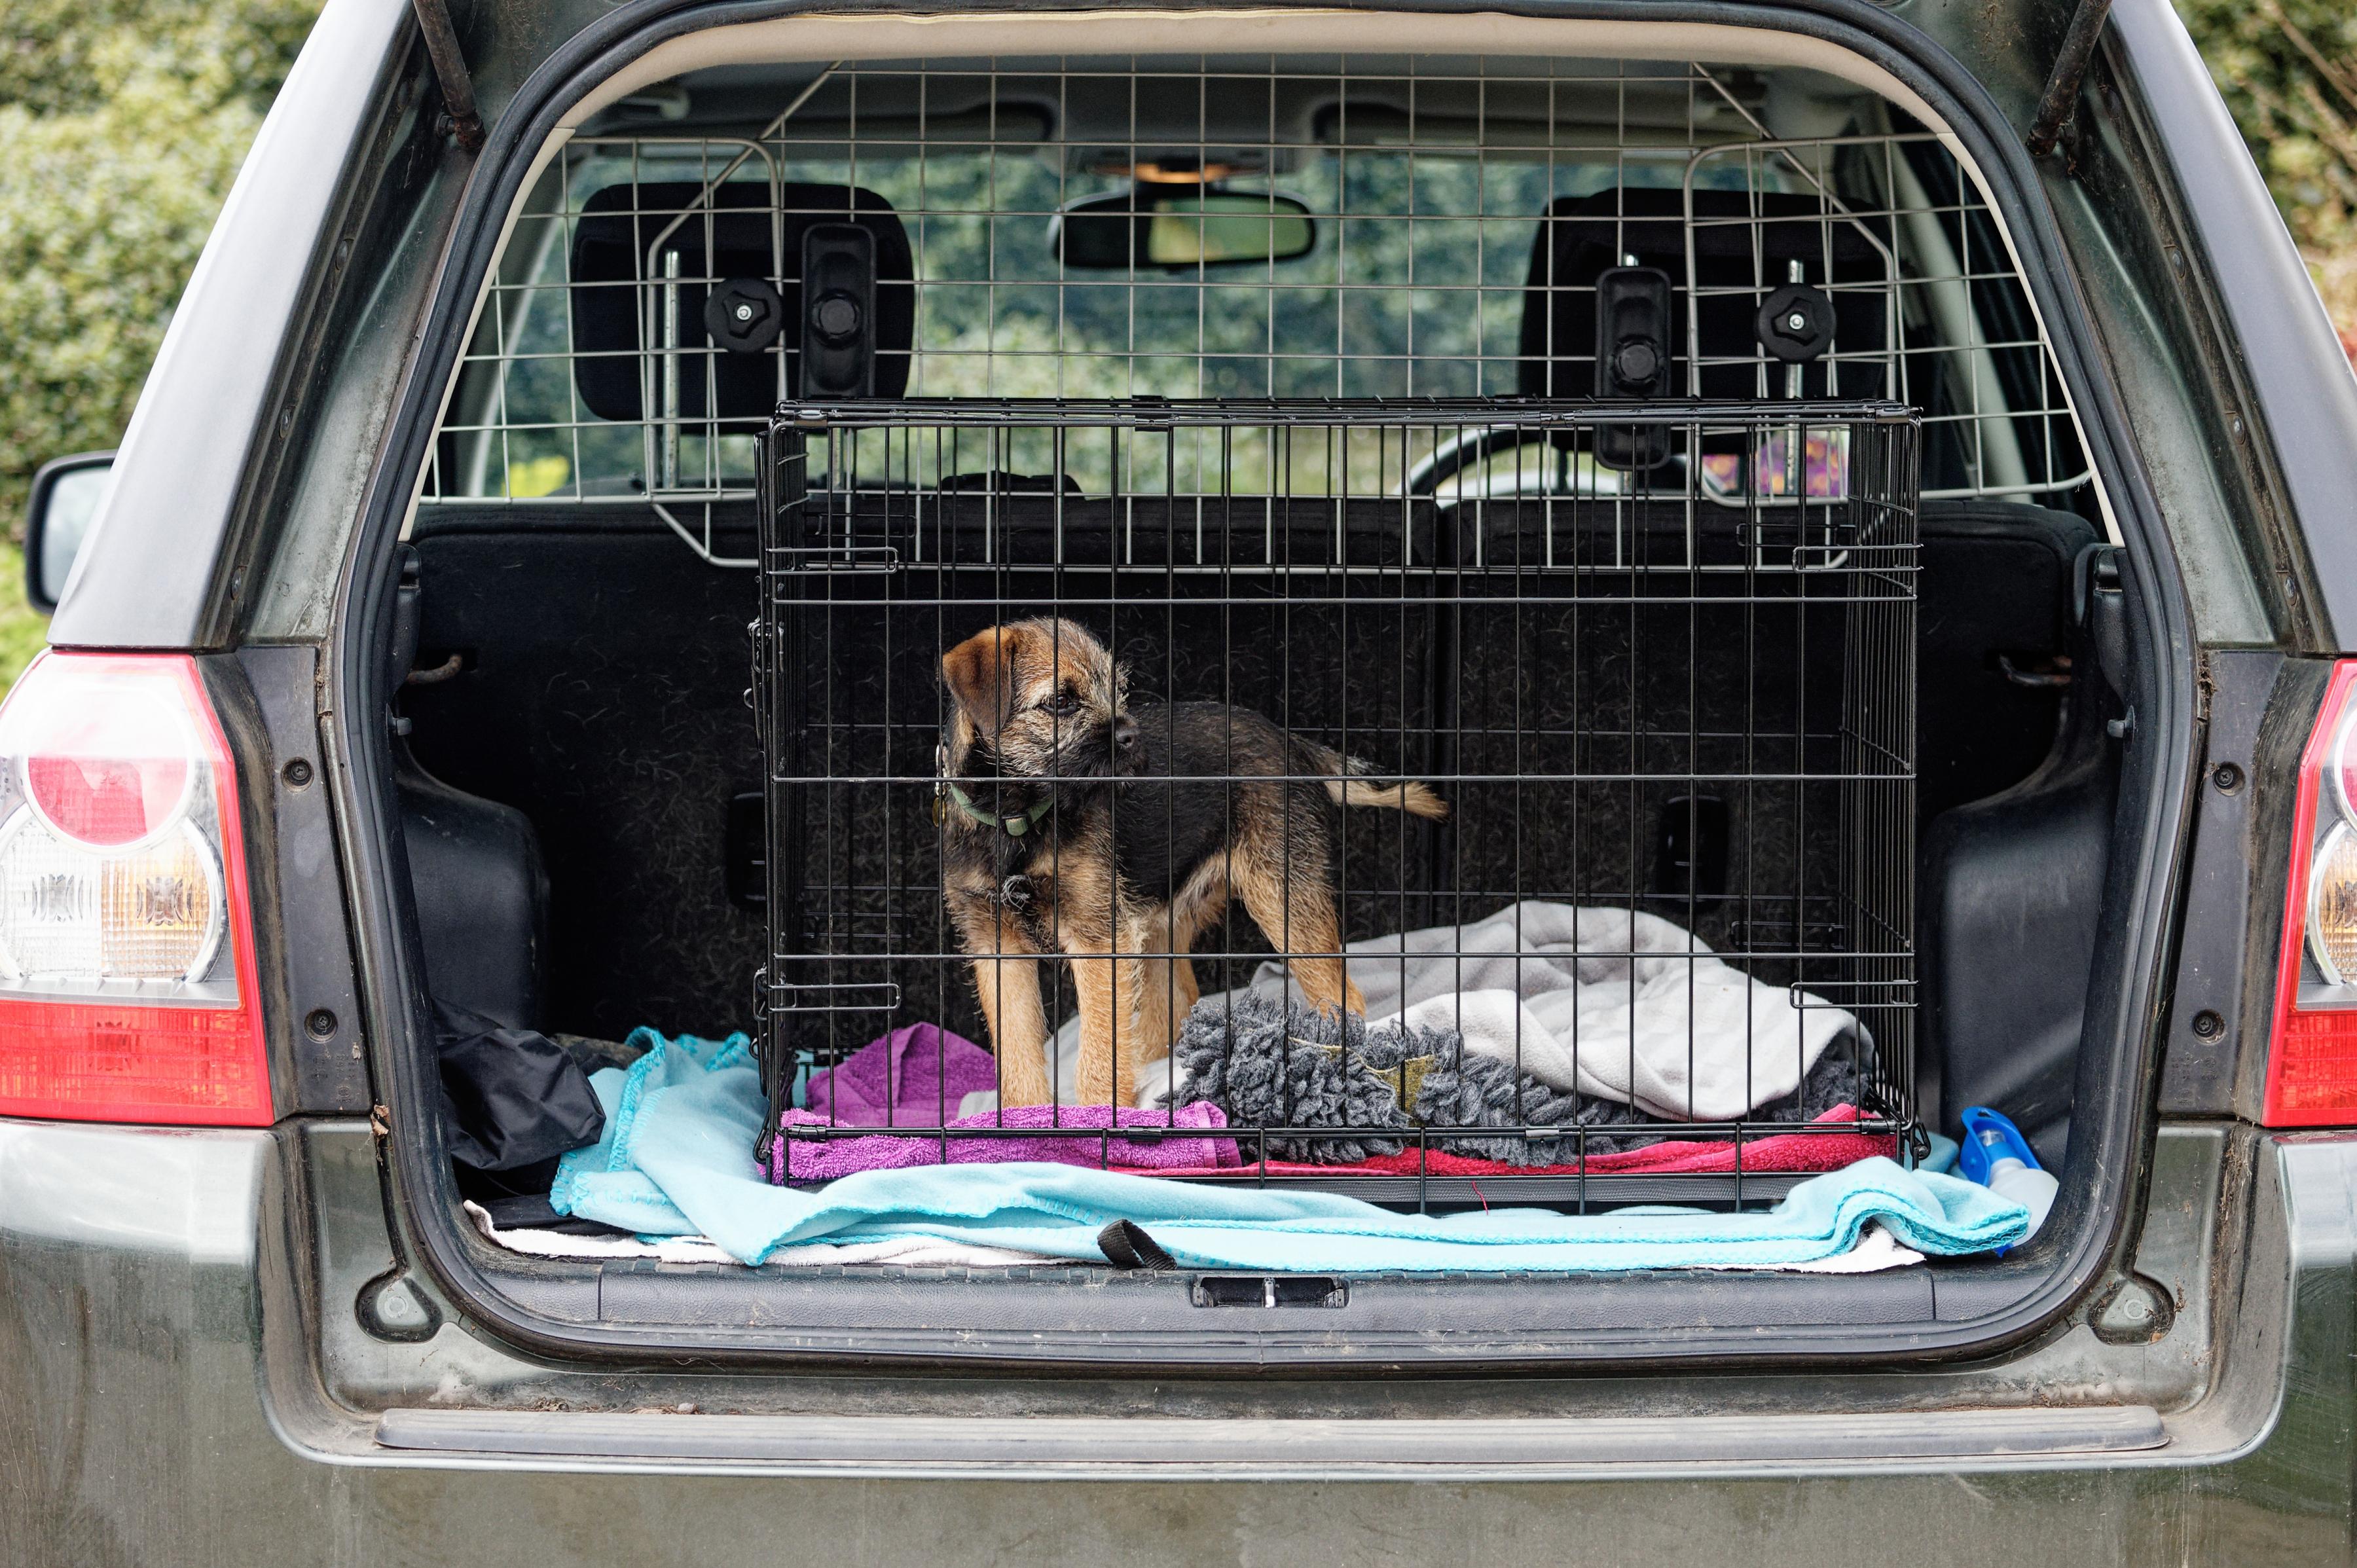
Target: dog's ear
{"points": [[980, 673]]}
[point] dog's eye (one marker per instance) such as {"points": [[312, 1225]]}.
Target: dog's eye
{"points": [[1064, 704]]}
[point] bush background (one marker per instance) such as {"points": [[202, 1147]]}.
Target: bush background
{"points": [[122, 122]]}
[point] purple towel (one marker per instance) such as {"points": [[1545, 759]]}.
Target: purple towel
{"points": [[913, 1077], [811, 1159]]}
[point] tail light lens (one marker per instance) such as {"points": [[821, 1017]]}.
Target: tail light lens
{"points": [[2312, 1061], [126, 947]]}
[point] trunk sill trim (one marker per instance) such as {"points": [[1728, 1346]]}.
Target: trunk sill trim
{"points": [[1221, 1445]]}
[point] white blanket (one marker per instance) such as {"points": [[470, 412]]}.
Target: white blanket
{"points": [[1621, 1006], [1877, 1250], [909, 1252]]}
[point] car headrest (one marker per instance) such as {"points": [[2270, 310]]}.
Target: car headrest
{"points": [[619, 223], [1743, 244]]}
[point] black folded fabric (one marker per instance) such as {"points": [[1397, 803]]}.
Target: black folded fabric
{"points": [[531, 1211], [514, 1099]]}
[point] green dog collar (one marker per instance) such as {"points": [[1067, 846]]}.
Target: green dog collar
{"points": [[1013, 825]]}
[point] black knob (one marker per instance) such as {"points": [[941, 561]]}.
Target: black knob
{"points": [[836, 320], [1635, 363], [1796, 323], [743, 315]]}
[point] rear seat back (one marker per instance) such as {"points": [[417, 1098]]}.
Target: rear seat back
{"points": [[621, 223]]}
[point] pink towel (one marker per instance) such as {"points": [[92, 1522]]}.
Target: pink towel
{"points": [[913, 1077], [1063, 1138]]}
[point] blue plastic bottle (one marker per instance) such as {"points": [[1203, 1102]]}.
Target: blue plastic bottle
{"points": [[1996, 1155]]}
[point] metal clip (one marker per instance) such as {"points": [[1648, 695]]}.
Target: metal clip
{"points": [[757, 639]]}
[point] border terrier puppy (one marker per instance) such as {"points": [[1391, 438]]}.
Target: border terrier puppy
{"points": [[1077, 828], [1036, 734]]}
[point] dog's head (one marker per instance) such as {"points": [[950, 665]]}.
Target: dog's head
{"points": [[1041, 699]]}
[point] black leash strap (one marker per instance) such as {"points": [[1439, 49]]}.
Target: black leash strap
{"points": [[1126, 1246]]}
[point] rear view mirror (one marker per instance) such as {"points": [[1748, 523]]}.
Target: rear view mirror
{"points": [[1190, 226], [65, 493]]}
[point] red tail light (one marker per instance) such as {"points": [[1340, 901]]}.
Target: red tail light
{"points": [[2312, 1060], [126, 942]]}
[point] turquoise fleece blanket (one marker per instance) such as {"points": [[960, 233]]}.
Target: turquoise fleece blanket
{"points": [[677, 1159]]}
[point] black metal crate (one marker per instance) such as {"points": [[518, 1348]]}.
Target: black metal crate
{"points": [[1682, 692]]}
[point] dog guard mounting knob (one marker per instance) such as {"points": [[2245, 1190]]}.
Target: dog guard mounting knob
{"points": [[744, 315], [1796, 323]]}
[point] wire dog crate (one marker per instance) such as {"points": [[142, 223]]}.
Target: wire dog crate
{"points": [[1667, 701]]}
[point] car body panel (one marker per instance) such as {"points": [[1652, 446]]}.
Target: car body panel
{"points": [[163, 1339]]}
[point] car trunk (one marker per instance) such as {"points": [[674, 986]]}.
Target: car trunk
{"points": [[601, 685], [597, 842]]}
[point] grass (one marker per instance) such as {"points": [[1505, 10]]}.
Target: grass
{"points": [[23, 630]]}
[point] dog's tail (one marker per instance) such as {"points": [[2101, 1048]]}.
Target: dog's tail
{"points": [[1348, 786]]}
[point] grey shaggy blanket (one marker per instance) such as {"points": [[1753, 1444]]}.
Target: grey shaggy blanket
{"points": [[1296, 1066]]}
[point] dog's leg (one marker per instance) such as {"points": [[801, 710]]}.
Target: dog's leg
{"points": [[1166, 992], [1294, 907], [1167, 985], [1185, 991], [1104, 982], [1007, 976], [1183, 994], [1196, 910]]}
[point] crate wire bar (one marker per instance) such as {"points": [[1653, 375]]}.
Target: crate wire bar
{"points": [[1684, 691], [1427, 181]]}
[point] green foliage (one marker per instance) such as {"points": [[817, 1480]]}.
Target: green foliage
{"points": [[121, 124], [22, 628], [2288, 71], [69, 56]]}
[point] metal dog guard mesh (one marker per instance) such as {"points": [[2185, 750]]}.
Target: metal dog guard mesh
{"points": [[1682, 692], [1461, 207]]}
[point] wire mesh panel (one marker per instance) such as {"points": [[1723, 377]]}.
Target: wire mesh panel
{"points": [[1446, 792], [1453, 218]]}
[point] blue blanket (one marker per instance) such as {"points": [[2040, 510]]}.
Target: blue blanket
{"points": [[677, 1159]]}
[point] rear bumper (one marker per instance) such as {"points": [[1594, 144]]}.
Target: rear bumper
{"points": [[183, 1378]]}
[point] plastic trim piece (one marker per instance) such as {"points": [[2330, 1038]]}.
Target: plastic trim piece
{"points": [[1244, 1448]]}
